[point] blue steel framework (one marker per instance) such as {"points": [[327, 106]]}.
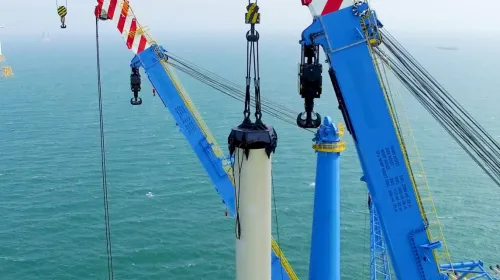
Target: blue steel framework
{"points": [[379, 259], [346, 36]]}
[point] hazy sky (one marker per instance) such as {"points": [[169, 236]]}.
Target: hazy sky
{"points": [[226, 16]]}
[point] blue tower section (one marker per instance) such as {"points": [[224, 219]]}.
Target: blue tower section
{"points": [[346, 37], [325, 243], [154, 61]]}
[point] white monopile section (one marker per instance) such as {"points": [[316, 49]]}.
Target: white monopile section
{"points": [[253, 203]]}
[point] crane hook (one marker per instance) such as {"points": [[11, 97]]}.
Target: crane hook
{"points": [[310, 85], [309, 121], [62, 11], [135, 86]]}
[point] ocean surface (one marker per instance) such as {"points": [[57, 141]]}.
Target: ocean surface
{"points": [[51, 206]]}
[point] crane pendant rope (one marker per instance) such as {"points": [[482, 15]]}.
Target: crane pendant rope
{"points": [[103, 159], [252, 17]]}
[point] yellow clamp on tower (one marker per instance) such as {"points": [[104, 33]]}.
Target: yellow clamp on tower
{"points": [[335, 147], [252, 16]]}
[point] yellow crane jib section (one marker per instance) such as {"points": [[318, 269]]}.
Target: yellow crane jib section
{"points": [[284, 262], [7, 72], [252, 16]]}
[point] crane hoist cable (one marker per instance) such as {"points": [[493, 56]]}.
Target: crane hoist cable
{"points": [[252, 17], [103, 159]]}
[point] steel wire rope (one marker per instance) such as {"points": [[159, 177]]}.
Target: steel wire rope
{"points": [[465, 116], [237, 191], [467, 134], [228, 82], [443, 117], [234, 95], [103, 158], [413, 88], [66, 4], [454, 131], [231, 88], [459, 123], [439, 86], [204, 78]]}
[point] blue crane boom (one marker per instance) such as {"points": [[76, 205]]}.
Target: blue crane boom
{"points": [[153, 60], [369, 119]]}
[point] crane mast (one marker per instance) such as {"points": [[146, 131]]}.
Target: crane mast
{"points": [[399, 223], [345, 36]]}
